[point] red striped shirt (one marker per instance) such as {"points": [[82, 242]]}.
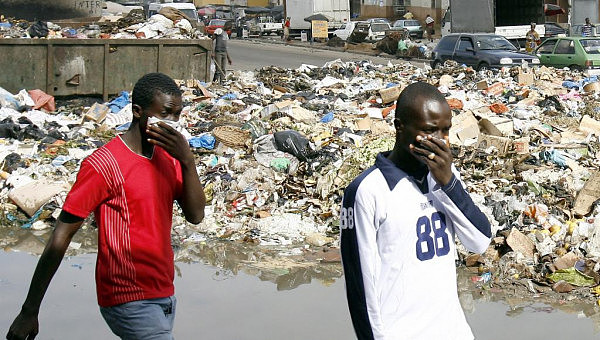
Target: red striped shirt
{"points": [[132, 200]]}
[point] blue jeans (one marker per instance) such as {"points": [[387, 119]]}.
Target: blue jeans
{"points": [[144, 319]]}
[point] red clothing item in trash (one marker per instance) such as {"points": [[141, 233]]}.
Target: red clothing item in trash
{"points": [[132, 200], [42, 100]]}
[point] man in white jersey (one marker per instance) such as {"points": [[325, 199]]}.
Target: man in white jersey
{"points": [[398, 225]]}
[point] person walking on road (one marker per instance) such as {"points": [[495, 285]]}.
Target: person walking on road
{"points": [[130, 185], [221, 55], [398, 224], [532, 39], [429, 22]]}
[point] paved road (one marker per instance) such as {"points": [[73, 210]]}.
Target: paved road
{"points": [[251, 55]]}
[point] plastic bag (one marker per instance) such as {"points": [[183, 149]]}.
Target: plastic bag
{"points": [[213, 68], [327, 118], [554, 156], [8, 100], [206, 141], [292, 142], [42, 100], [256, 128], [38, 30], [117, 104]]}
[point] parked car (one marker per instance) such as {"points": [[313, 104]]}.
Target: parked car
{"points": [[577, 53], [481, 51], [347, 29], [376, 30], [413, 27], [219, 23]]}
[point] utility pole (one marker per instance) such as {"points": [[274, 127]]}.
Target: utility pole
{"points": [[569, 13]]}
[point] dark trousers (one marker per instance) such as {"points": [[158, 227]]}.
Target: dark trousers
{"points": [[221, 63]]}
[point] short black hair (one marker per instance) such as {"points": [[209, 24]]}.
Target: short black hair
{"points": [[405, 105], [149, 85]]}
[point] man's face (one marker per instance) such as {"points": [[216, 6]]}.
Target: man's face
{"points": [[164, 106], [434, 118], [532, 27]]}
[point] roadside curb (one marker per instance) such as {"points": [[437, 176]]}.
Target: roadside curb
{"points": [[329, 48]]}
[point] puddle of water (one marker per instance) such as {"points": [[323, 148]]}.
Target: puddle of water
{"points": [[243, 306]]}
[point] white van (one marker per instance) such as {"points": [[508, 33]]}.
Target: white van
{"points": [[347, 29], [187, 8]]}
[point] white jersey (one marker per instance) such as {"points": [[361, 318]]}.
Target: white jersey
{"points": [[398, 251]]}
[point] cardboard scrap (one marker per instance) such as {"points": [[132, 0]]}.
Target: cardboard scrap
{"points": [[520, 243], [482, 85], [590, 125], [588, 195], [525, 77], [97, 112], [527, 102], [504, 126], [301, 114], [502, 144], [489, 128], [363, 124], [31, 197], [390, 94], [464, 127], [521, 145]]}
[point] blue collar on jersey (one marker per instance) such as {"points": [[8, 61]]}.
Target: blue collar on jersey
{"points": [[394, 174], [390, 171]]}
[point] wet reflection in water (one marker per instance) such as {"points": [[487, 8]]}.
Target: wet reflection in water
{"points": [[216, 284], [273, 264]]}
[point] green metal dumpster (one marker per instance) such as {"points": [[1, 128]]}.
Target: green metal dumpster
{"points": [[66, 67]]}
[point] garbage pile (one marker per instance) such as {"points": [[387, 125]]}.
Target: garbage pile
{"points": [[276, 148], [169, 23], [400, 44]]}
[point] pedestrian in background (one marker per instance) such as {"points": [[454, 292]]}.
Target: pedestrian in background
{"points": [[286, 29], [221, 55], [429, 22], [398, 224], [532, 39], [587, 29], [238, 26], [130, 185], [408, 16]]}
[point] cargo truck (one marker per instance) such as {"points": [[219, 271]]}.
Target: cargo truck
{"points": [[509, 18], [337, 11]]}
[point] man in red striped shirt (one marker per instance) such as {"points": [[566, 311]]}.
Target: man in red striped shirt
{"points": [[130, 184]]}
